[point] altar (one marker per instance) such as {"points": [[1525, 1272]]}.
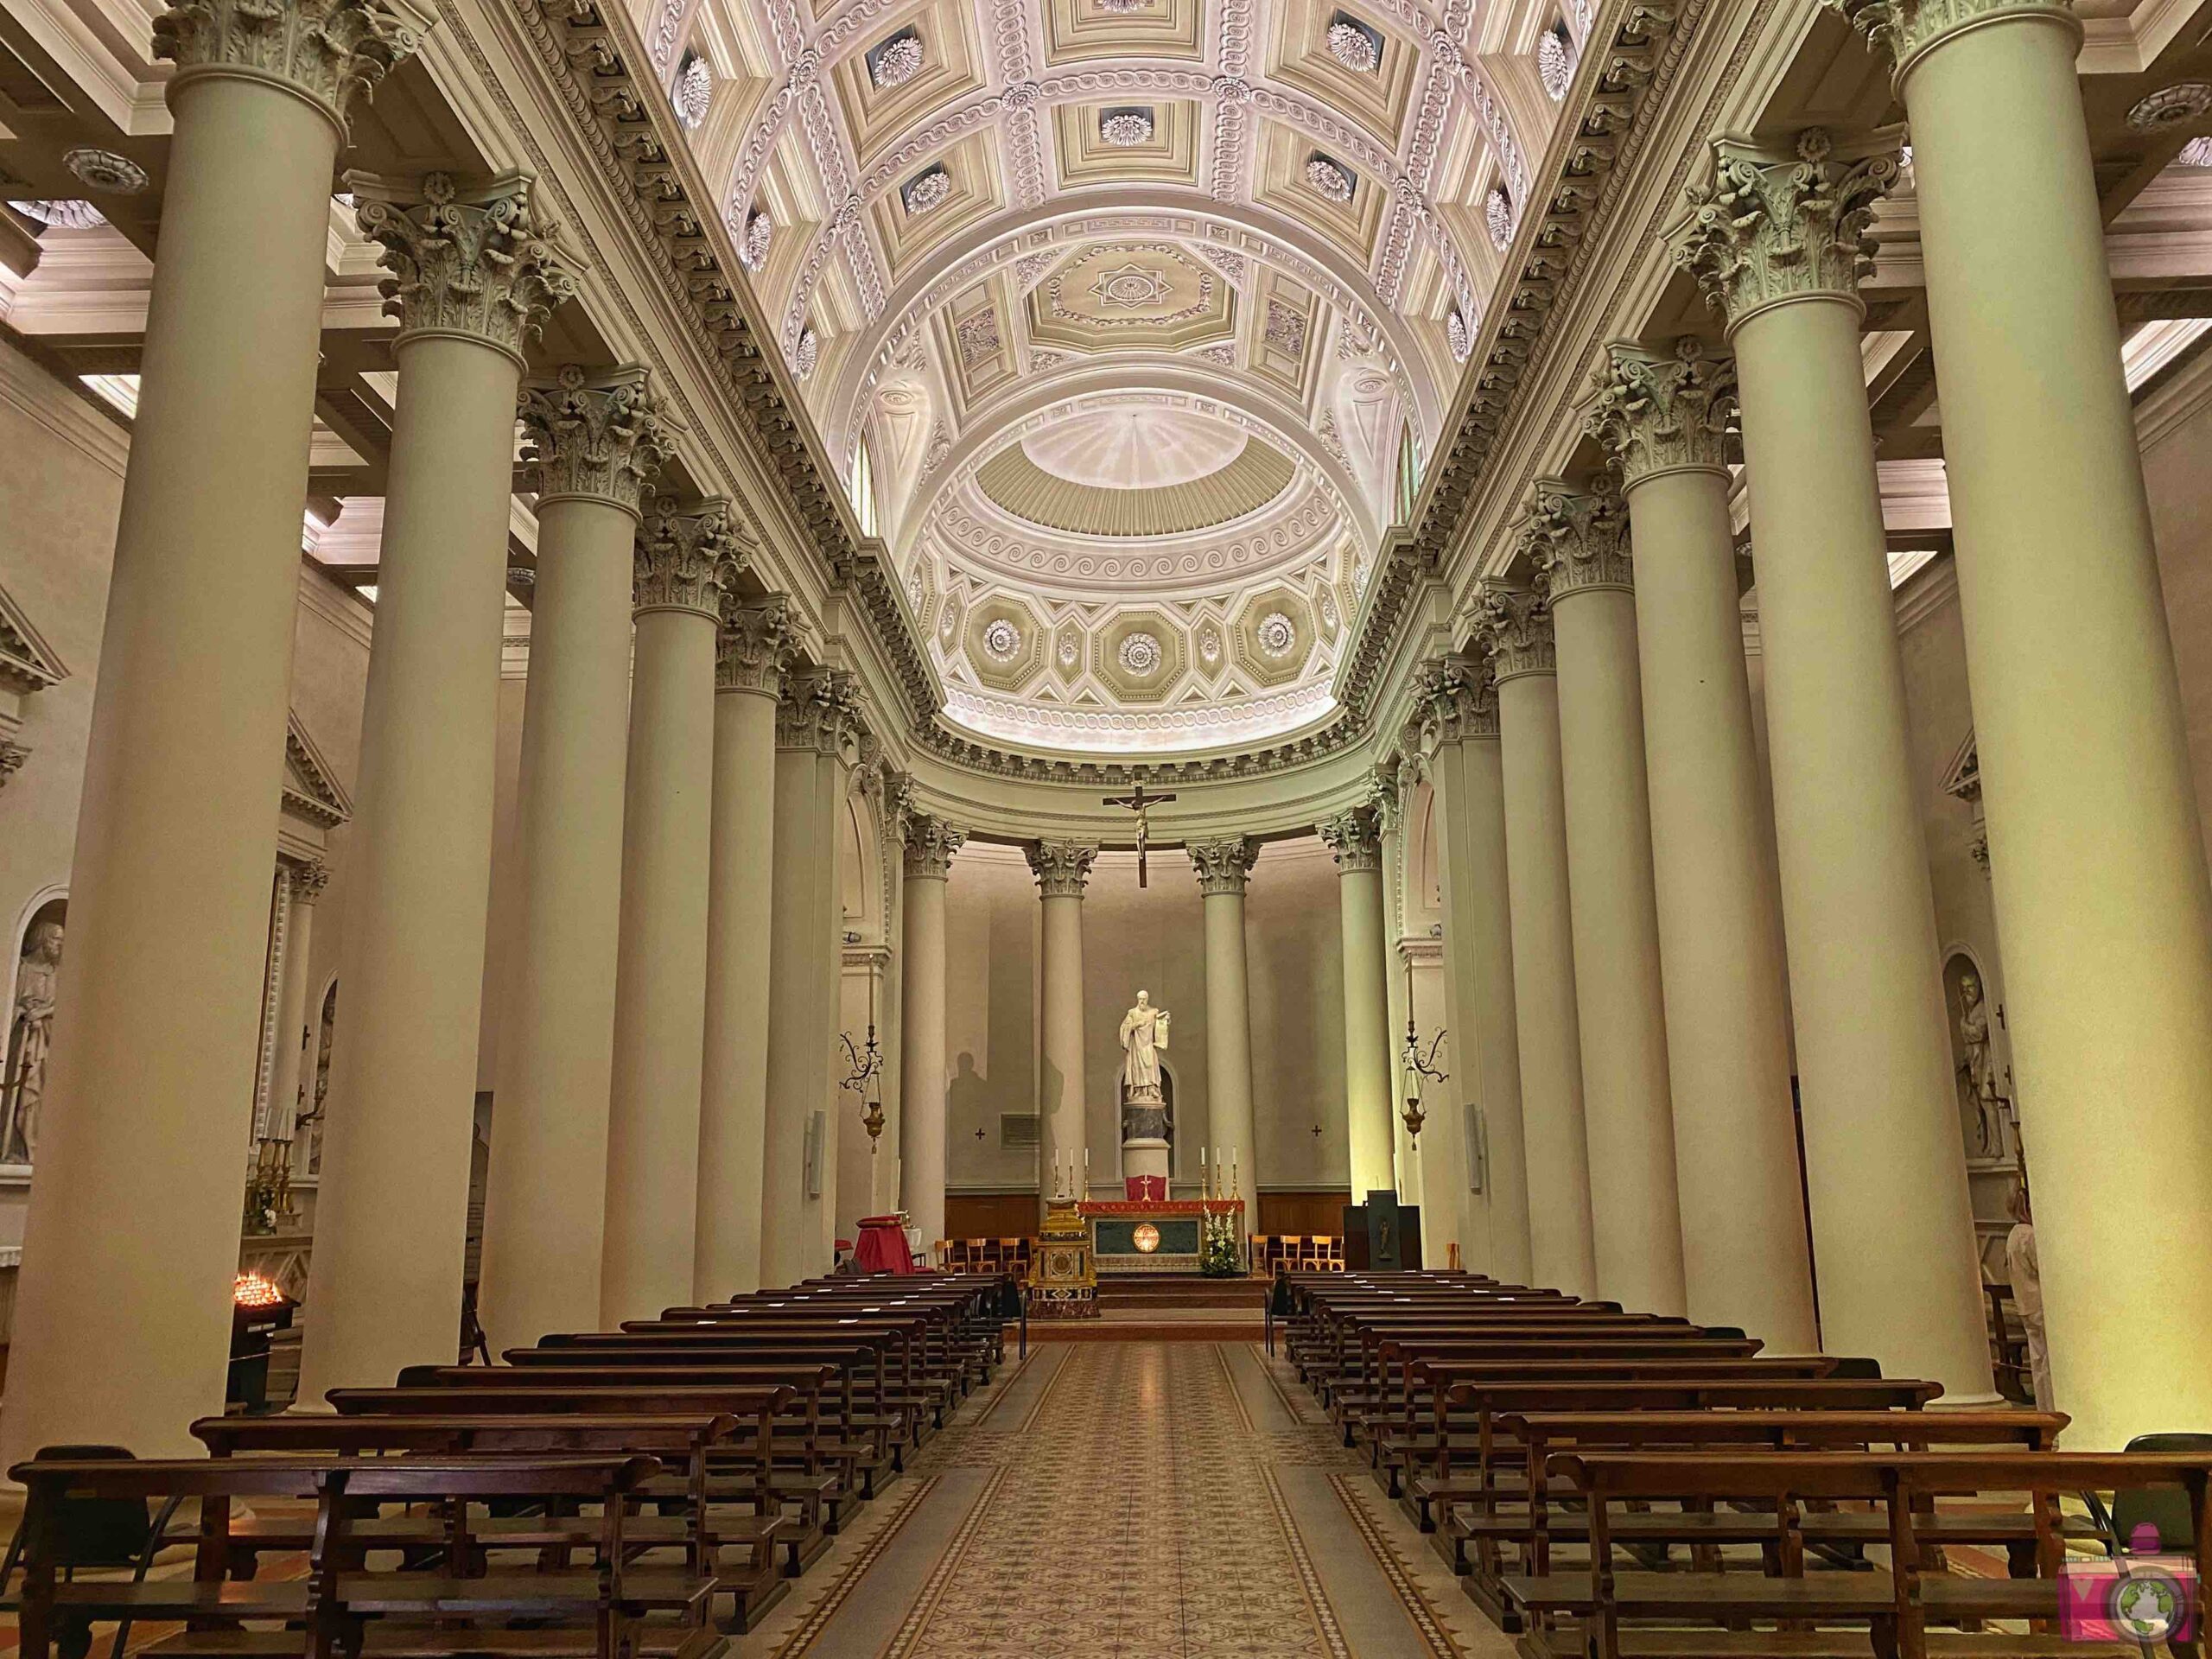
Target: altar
{"points": [[1153, 1235]]}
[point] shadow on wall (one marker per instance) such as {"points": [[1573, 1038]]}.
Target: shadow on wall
{"points": [[967, 1095]]}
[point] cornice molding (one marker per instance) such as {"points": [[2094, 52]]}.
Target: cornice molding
{"points": [[1589, 150]]}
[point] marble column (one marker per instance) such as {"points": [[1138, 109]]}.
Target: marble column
{"points": [[288, 1061], [1667, 420], [749, 661], [686, 554], [1061, 868], [930, 843], [153, 1046], [1576, 540], [813, 721], [1466, 773], [474, 275], [598, 441], [1355, 838], [1515, 628], [1222, 869], [1774, 243], [2097, 866]]}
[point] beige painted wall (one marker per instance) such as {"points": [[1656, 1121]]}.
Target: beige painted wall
{"points": [[61, 463], [1150, 939]]}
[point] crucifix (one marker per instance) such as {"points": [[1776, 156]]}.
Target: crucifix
{"points": [[1141, 804]]}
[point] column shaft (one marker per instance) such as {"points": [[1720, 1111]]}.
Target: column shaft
{"points": [[1561, 1249], [1354, 838], [1720, 920], [149, 1083], [1223, 867], [1062, 1107], [1635, 1213], [733, 1089], [544, 1207], [1468, 779], [391, 1214], [2097, 861], [922, 1075], [1892, 1235], [660, 1007]]}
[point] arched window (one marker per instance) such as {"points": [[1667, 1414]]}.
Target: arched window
{"points": [[864, 489], [1408, 476]]}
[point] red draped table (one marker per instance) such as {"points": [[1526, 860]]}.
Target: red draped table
{"points": [[883, 1245]]}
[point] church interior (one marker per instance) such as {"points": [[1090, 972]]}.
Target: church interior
{"points": [[1264, 828]]}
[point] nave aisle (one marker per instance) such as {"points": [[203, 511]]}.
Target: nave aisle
{"points": [[1137, 1500]]}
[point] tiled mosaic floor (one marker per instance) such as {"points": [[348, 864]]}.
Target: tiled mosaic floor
{"points": [[1141, 1500]]}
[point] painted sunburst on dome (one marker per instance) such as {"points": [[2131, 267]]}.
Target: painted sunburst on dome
{"points": [[1130, 308]]}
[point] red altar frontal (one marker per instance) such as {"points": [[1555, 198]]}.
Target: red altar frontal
{"points": [[1152, 1234]]}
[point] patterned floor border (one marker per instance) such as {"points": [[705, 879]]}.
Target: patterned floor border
{"points": [[1419, 1608], [1306, 1413], [816, 1618], [918, 1616], [1325, 1616], [1236, 1394]]}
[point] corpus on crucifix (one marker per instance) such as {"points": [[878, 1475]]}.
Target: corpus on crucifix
{"points": [[1141, 804]]}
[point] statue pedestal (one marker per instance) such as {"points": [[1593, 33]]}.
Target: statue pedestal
{"points": [[1144, 1158]]}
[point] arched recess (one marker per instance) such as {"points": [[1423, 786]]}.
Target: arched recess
{"points": [[1000, 242], [29, 1029], [1282, 420]]}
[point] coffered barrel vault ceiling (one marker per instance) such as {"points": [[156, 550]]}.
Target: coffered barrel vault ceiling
{"points": [[1118, 311]]}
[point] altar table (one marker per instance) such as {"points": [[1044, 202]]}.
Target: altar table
{"points": [[1153, 1235]]}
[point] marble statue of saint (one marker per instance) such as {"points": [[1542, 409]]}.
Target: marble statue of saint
{"points": [[1144, 1033], [30, 1033], [1980, 1064]]}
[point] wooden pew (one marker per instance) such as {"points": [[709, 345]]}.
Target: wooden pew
{"points": [[743, 1478], [739, 1540], [448, 1600], [1902, 1608]]}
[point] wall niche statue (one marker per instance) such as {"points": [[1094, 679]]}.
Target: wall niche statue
{"points": [[30, 1033]]}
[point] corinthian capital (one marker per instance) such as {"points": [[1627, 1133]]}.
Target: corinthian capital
{"points": [[930, 843], [1061, 866], [686, 554], [1457, 698], [1576, 540], [602, 436], [753, 647], [1663, 414], [332, 52], [1223, 865], [1355, 837], [1905, 28], [818, 712], [1781, 225], [468, 259], [1513, 625]]}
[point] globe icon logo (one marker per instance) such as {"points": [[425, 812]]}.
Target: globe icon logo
{"points": [[2146, 1608]]}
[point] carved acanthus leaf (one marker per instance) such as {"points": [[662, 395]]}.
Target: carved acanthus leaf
{"points": [[1905, 28], [1223, 865], [1458, 699], [1513, 625], [1658, 414], [930, 843], [1576, 539], [753, 647], [1061, 866], [603, 436], [470, 259], [1355, 838], [1781, 225], [334, 51], [687, 554]]}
